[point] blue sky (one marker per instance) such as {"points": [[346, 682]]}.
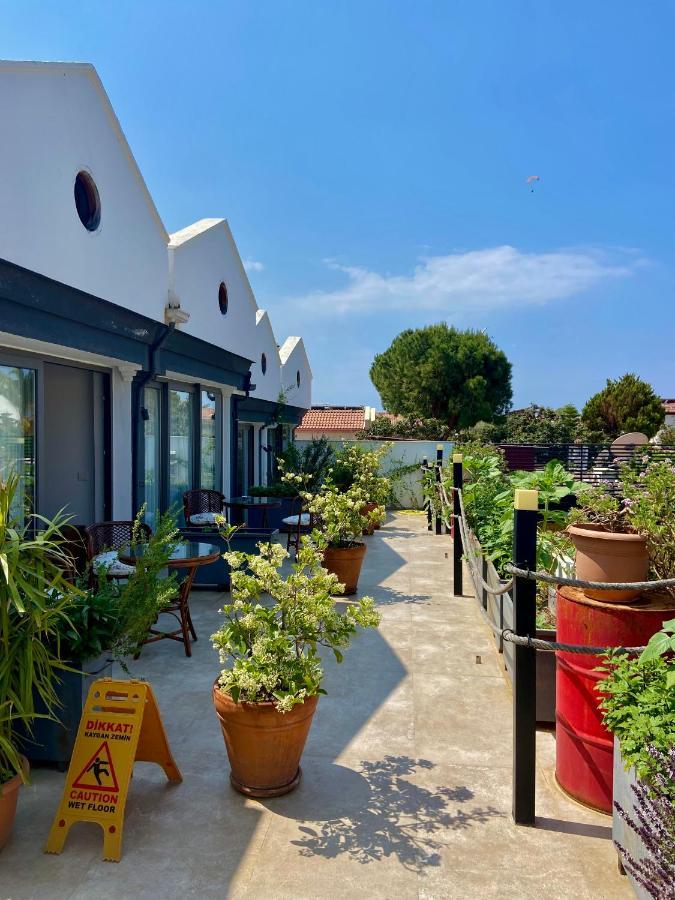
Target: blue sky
{"points": [[371, 158]]}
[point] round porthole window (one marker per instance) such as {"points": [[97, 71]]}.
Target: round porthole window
{"points": [[263, 363], [297, 378], [87, 201], [222, 297]]}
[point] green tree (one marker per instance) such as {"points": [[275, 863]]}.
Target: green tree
{"points": [[625, 405], [541, 425], [439, 372]]}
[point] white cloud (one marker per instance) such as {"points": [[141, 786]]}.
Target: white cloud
{"points": [[253, 265], [489, 279]]}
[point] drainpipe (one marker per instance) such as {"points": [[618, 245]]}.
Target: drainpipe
{"points": [[143, 379]]}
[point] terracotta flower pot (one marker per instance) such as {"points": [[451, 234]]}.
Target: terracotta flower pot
{"points": [[263, 745], [9, 793], [345, 562], [607, 556], [365, 512]]}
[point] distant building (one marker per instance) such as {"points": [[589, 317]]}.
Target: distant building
{"points": [[334, 422], [669, 407]]}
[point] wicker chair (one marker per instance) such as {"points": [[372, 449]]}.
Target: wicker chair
{"points": [[105, 536], [296, 524], [202, 500]]}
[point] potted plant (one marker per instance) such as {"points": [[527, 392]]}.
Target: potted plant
{"points": [[608, 546], [266, 696], [32, 570], [358, 466], [340, 524], [638, 704]]}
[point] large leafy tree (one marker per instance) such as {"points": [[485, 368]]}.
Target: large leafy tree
{"points": [[625, 405], [438, 372]]}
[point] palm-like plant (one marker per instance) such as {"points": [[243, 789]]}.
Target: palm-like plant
{"points": [[33, 559]]}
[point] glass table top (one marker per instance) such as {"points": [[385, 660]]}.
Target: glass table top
{"points": [[186, 551], [253, 501]]}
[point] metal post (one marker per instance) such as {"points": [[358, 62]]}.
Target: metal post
{"points": [[425, 466], [457, 550], [526, 504], [439, 505]]}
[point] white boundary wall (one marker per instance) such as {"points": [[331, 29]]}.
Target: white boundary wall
{"points": [[408, 488]]}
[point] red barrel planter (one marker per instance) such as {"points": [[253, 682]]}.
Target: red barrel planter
{"points": [[584, 747]]}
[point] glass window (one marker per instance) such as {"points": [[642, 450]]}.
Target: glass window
{"points": [[245, 457], [153, 459], [17, 433], [181, 431], [209, 442]]}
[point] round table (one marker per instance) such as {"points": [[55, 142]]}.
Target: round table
{"points": [[189, 555], [263, 503]]}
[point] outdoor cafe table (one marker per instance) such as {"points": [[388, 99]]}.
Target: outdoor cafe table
{"points": [[246, 503], [189, 555]]}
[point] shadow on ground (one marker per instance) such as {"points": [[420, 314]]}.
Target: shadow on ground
{"points": [[397, 818]]}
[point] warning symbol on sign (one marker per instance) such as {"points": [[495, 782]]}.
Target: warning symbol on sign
{"points": [[99, 771]]}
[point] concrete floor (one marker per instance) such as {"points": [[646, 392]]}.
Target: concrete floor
{"points": [[407, 775]]}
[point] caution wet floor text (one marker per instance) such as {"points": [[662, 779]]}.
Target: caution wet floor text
{"points": [[120, 724]]}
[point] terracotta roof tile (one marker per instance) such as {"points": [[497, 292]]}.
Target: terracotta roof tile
{"points": [[332, 418]]}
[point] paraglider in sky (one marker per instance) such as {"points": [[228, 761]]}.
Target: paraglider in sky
{"points": [[531, 179]]}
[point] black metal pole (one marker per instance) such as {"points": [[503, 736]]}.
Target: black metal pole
{"points": [[524, 680], [425, 466], [439, 505], [457, 549]]}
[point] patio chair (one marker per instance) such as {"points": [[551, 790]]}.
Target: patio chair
{"points": [[201, 506], [104, 540], [299, 522]]}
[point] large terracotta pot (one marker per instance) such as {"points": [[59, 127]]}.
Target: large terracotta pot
{"points": [[345, 562], [263, 745], [365, 512], [9, 793], [606, 556]]}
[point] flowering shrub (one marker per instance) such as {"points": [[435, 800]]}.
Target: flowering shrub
{"points": [[272, 649], [595, 506], [355, 465], [654, 823], [340, 514], [649, 501]]}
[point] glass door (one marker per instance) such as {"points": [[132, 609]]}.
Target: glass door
{"points": [[17, 434], [152, 435], [181, 445]]}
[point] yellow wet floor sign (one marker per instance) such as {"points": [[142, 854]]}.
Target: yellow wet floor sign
{"points": [[120, 724]]}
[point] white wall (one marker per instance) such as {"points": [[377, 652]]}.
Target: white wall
{"points": [[267, 386], [56, 120], [200, 258], [408, 489], [293, 360]]}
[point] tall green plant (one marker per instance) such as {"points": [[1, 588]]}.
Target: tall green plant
{"points": [[33, 559]]}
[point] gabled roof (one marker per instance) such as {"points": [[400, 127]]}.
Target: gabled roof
{"points": [[288, 348], [203, 226], [88, 71], [333, 418]]}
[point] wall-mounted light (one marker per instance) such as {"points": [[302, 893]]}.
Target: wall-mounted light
{"points": [[173, 314]]}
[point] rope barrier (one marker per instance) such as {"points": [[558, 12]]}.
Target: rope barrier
{"points": [[594, 585], [535, 643]]}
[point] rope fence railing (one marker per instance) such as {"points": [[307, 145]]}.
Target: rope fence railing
{"points": [[445, 505]]}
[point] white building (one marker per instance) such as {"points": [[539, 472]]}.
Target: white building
{"points": [[134, 364]]}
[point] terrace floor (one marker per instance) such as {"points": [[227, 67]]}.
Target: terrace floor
{"points": [[407, 775]]}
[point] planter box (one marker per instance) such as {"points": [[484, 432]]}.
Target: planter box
{"points": [[546, 666], [621, 832], [274, 515], [216, 576], [53, 742]]}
